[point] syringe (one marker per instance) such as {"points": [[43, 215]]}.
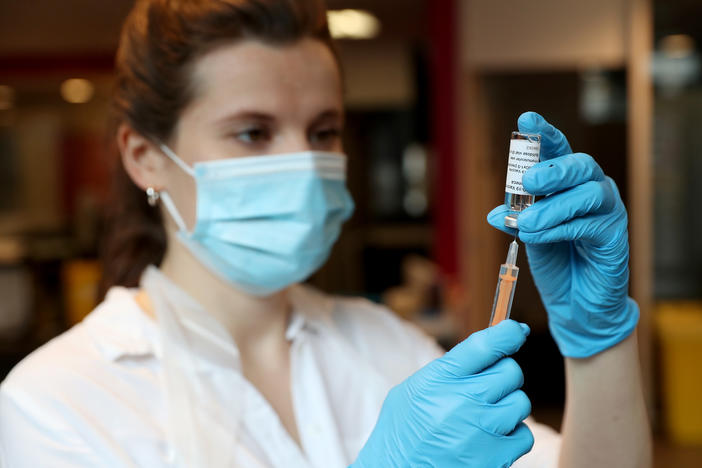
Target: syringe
{"points": [[506, 284]]}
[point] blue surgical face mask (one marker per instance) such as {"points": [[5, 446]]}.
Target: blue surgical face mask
{"points": [[265, 222]]}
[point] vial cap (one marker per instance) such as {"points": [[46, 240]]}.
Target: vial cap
{"points": [[511, 220]]}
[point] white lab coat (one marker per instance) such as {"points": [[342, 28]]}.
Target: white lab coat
{"points": [[102, 393]]}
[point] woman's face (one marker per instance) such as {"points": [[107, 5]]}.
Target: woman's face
{"points": [[255, 99]]}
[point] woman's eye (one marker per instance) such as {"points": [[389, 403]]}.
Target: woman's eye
{"points": [[326, 135], [253, 135]]}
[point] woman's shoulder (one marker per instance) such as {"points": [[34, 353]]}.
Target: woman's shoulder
{"points": [[78, 358], [82, 398]]}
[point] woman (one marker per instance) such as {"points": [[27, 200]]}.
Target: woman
{"points": [[229, 115]]}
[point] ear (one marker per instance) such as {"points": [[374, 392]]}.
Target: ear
{"points": [[142, 159]]}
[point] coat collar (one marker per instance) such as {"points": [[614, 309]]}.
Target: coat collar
{"points": [[124, 330]]}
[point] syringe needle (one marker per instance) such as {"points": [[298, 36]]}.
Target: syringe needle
{"points": [[512, 253]]}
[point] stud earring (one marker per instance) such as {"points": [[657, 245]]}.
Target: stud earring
{"points": [[152, 196]]}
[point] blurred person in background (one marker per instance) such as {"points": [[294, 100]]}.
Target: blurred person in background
{"points": [[206, 350]]}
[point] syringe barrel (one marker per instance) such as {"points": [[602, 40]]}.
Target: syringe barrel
{"points": [[504, 294]]}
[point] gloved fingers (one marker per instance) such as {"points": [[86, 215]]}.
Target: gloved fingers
{"points": [[545, 263], [494, 383], [483, 348], [597, 229], [496, 218], [502, 418], [590, 198], [561, 173], [553, 142], [522, 440]]}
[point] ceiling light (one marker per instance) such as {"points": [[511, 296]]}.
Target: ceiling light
{"points": [[353, 24], [77, 90]]}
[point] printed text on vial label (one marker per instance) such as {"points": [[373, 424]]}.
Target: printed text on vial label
{"points": [[522, 155]]}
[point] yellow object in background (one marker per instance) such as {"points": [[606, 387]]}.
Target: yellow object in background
{"points": [[80, 285], [679, 326]]}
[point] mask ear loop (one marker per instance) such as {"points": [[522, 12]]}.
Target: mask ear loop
{"points": [[174, 157], [166, 198], [170, 207]]}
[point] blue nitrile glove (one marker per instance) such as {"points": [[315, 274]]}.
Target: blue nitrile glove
{"points": [[577, 245], [464, 409]]}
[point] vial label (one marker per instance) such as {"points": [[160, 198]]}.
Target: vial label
{"points": [[522, 155]]}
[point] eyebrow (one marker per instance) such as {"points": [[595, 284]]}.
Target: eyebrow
{"points": [[244, 115], [264, 117]]}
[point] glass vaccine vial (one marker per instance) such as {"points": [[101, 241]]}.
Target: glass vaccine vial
{"points": [[524, 151]]}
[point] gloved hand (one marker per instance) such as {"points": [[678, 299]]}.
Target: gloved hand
{"points": [[577, 245], [463, 409]]}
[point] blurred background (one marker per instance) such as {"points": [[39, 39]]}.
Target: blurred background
{"points": [[434, 89]]}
